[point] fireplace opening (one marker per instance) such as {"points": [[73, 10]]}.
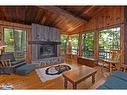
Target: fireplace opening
{"points": [[46, 51]]}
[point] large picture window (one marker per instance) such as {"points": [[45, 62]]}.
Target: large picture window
{"points": [[88, 44], [109, 39]]}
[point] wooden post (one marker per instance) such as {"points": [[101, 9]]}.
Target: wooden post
{"points": [[28, 46], [1, 33], [96, 44], [80, 45], [69, 47], [123, 36]]}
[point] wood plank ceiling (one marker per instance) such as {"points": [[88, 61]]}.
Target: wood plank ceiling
{"points": [[66, 18]]}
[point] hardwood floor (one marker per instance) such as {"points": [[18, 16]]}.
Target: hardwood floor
{"points": [[32, 81]]}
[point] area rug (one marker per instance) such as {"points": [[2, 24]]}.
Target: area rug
{"points": [[52, 72]]}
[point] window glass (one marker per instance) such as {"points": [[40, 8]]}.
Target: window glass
{"points": [[63, 46], [74, 43], [88, 44], [108, 39]]}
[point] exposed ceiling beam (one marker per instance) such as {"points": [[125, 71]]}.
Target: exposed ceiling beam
{"points": [[97, 11], [88, 10], [38, 15], [43, 20], [91, 9], [77, 30], [62, 12]]}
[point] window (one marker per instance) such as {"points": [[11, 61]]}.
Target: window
{"points": [[108, 39], [74, 43], [88, 44], [15, 41], [63, 46]]}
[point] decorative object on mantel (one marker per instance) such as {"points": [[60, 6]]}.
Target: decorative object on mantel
{"points": [[45, 77]]}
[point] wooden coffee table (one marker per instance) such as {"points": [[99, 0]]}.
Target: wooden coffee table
{"points": [[75, 76]]}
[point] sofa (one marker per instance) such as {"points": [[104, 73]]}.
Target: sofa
{"points": [[8, 63], [117, 80]]}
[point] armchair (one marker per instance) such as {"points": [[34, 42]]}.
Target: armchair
{"points": [[10, 56], [8, 63]]}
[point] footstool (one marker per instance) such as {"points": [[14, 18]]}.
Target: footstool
{"points": [[25, 69]]}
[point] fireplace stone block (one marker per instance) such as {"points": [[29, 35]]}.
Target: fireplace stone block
{"points": [[48, 61]]}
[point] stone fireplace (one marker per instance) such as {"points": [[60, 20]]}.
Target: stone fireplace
{"points": [[45, 44]]}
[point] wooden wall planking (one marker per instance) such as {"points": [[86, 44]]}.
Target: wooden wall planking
{"points": [[107, 17]]}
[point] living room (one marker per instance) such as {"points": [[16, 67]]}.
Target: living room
{"points": [[63, 47]]}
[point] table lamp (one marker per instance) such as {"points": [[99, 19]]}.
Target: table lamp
{"points": [[2, 45]]}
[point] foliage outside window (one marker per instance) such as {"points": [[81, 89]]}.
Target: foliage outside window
{"points": [[63, 46], [74, 43], [15, 41], [9, 40], [88, 44], [108, 39]]}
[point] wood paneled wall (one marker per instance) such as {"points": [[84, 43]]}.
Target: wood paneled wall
{"points": [[27, 28], [107, 17]]}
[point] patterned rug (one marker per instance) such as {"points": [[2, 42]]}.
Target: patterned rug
{"points": [[52, 72]]}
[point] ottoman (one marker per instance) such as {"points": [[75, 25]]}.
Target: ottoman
{"points": [[25, 69]]}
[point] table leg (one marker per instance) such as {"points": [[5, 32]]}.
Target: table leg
{"points": [[93, 78], [65, 83], [74, 86]]}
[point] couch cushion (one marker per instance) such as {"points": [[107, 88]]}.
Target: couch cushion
{"points": [[17, 62], [115, 83], [120, 74], [25, 69]]}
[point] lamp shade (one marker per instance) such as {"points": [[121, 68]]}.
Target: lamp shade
{"points": [[2, 44]]}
